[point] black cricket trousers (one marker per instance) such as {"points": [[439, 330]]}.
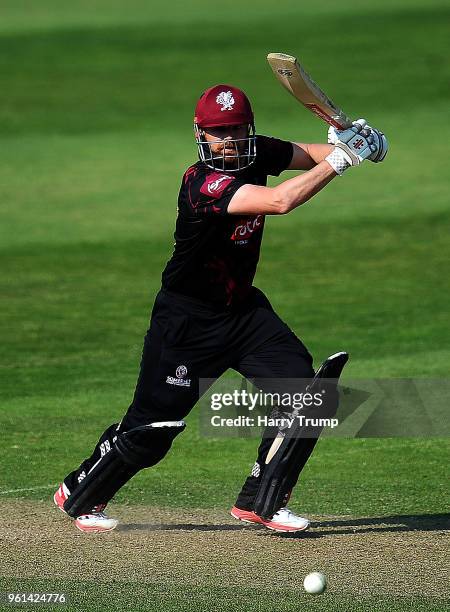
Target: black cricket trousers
{"points": [[188, 340]]}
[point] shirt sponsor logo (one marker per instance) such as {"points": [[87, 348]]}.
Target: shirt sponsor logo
{"points": [[243, 231]]}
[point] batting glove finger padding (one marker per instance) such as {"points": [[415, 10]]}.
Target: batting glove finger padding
{"points": [[382, 146], [359, 125]]}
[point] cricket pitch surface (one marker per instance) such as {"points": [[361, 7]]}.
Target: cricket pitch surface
{"points": [[404, 557]]}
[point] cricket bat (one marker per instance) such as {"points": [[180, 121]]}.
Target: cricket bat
{"points": [[297, 81]]}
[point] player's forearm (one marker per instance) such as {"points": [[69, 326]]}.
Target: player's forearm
{"points": [[319, 151], [305, 156], [300, 189], [258, 200]]}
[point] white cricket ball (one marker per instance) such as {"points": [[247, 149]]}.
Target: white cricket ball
{"points": [[315, 583]]}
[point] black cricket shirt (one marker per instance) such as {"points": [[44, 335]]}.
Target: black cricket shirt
{"points": [[216, 254]]}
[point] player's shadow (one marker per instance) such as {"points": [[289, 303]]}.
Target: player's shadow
{"points": [[179, 527], [381, 524], [320, 529]]}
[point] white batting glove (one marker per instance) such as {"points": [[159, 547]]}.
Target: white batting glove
{"points": [[360, 125], [332, 135], [352, 146]]}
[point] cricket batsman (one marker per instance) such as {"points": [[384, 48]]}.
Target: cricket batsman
{"points": [[208, 317]]}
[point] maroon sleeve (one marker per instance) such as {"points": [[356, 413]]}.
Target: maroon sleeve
{"points": [[273, 155], [210, 193]]}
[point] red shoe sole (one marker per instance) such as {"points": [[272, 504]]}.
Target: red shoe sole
{"points": [[59, 501], [247, 516]]}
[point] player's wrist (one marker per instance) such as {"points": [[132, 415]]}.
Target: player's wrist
{"points": [[338, 160]]}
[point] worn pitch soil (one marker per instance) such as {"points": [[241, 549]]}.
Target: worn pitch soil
{"points": [[405, 556]]}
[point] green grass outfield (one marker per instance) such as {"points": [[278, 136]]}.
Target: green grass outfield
{"points": [[95, 114], [80, 596]]}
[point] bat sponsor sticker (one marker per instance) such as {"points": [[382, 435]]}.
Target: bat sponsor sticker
{"points": [[323, 115]]}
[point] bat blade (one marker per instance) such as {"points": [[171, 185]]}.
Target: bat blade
{"points": [[297, 81]]}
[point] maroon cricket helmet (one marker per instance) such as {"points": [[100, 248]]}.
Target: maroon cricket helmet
{"points": [[223, 105]]}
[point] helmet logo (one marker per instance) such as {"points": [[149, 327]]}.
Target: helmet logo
{"points": [[226, 100]]}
